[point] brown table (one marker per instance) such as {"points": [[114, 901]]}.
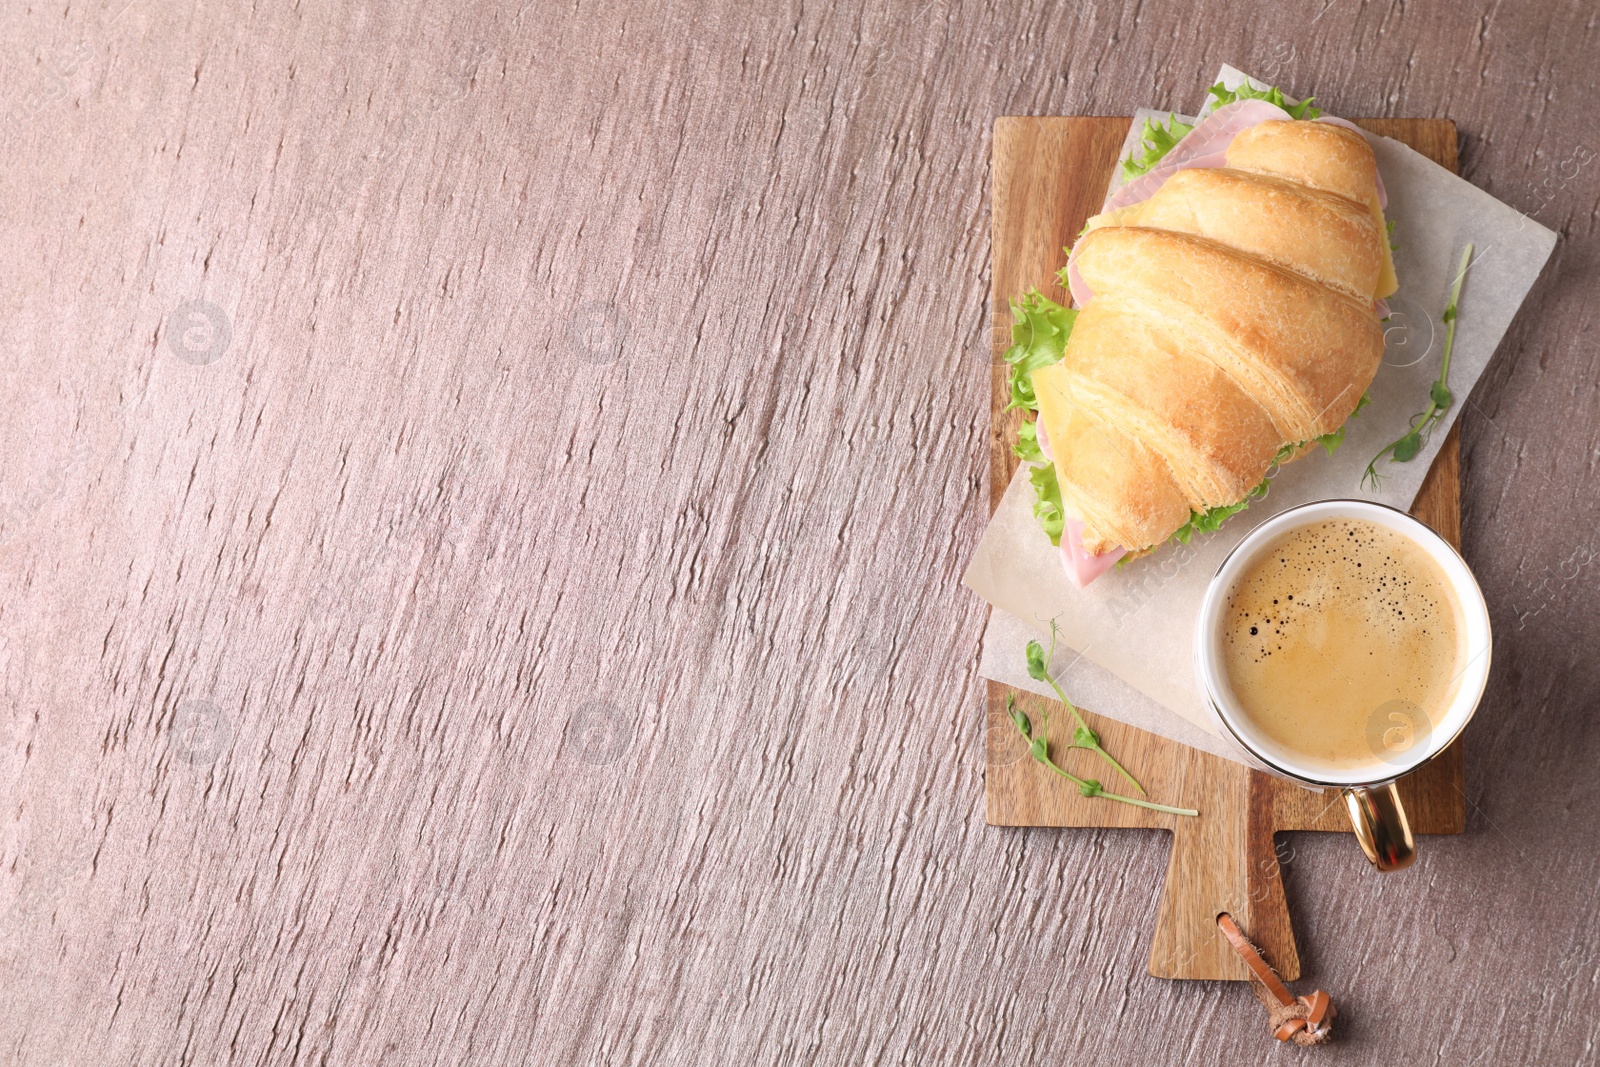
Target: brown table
{"points": [[484, 499]]}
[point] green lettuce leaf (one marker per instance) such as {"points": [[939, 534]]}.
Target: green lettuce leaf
{"points": [[1209, 521], [1027, 446], [1047, 500], [1225, 96], [1155, 141], [1039, 334], [1331, 441], [1039, 338]]}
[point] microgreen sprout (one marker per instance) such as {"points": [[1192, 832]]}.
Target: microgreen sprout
{"points": [[1083, 737], [1039, 749], [1439, 397]]}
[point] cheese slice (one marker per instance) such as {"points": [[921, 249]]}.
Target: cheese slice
{"points": [[1388, 281]]}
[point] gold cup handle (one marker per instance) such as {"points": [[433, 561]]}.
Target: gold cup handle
{"points": [[1381, 826]]}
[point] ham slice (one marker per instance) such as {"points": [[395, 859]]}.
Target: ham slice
{"points": [[1081, 567], [1081, 293], [1204, 146], [1044, 442]]}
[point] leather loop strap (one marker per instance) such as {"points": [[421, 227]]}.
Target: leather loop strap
{"points": [[1303, 1020], [1252, 959]]}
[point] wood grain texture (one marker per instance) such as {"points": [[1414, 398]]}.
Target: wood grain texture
{"points": [[1049, 176], [538, 638]]}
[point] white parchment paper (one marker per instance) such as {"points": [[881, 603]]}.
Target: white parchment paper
{"points": [[1125, 648]]}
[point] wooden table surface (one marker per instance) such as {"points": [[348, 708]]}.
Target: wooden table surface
{"points": [[483, 499]]}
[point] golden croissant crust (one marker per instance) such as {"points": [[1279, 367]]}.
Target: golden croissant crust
{"points": [[1233, 314]]}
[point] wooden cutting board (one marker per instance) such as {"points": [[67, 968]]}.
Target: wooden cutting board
{"points": [[1050, 175]]}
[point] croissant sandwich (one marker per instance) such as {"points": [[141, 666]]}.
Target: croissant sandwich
{"points": [[1229, 300]]}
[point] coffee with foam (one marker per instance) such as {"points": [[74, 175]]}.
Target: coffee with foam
{"points": [[1343, 643]]}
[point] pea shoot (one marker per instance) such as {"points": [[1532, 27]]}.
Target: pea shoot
{"points": [[1039, 749], [1440, 398], [1082, 737]]}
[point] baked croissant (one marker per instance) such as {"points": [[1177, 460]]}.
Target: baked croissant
{"points": [[1233, 319]]}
